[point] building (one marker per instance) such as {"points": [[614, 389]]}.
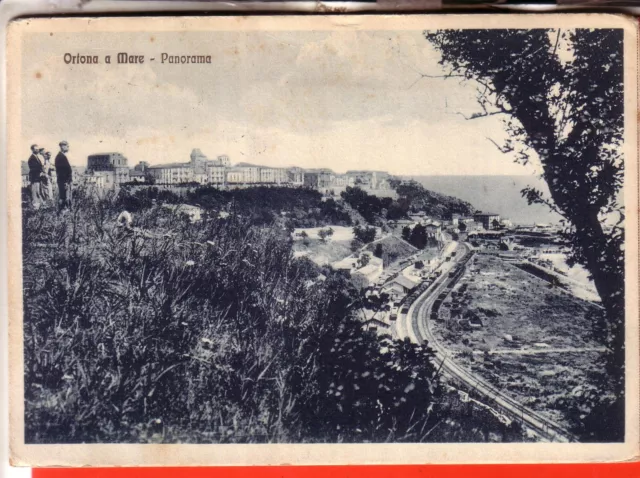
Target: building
{"points": [[110, 162], [251, 174], [372, 271], [198, 161], [360, 178], [419, 217], [100, 179], [122, 174], [142, 166], [24, 171], [487, 219], [136, 176], [200, 177], [399, 287], [296, 176], [77, 174], [342, 180], [318, 178], [380, 180], [234, 176], [172, 173], [106, 162], [274, 176], [223, 160], [349, 263], [216, 175], [433, 230]]}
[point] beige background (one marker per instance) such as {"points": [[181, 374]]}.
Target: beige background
{"points": [[33, 99]]}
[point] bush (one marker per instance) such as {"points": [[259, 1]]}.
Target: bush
{"points": [[201, 332]]}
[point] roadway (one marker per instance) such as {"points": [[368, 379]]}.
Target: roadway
{"points": [[417, 328]]}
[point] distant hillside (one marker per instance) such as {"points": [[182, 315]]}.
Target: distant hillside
{"points": [[412, 197], [434, 204]]}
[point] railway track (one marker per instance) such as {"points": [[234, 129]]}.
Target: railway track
{"points": [[418, 331]]}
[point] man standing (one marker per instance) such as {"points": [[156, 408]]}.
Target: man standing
{"points": [[49, 171], [36, 174], [64, 175]]}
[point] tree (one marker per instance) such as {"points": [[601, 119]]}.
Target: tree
{"points": [[363, 261], [364, 234], [462, 227], [323, 234], [560, 93], [419, 236], [356, 245], [305, 238], [378, 250], [495, 224], [406, 233]]}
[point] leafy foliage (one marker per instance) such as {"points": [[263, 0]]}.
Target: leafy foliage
{"points": [[560, 93], [369, 206], [413, 197], [364, 234]]}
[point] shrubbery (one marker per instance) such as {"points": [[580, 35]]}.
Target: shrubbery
{"points": [[205, 332]]}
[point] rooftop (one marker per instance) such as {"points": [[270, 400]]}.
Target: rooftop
{"points": [[405, 282], [486, 214], [170, 165], [106, 154]]}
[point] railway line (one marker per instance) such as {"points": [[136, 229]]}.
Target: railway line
{"points": [[417, 328]]}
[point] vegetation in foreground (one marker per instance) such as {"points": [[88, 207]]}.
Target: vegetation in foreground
{"points": [[175, 331]]}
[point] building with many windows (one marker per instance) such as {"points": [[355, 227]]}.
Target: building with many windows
{"points": [[115, 163], [172, 173], [224, 160], [319, 178], [106, 162], [216, 175], [274, 176], [296, 176], [489, 220]]}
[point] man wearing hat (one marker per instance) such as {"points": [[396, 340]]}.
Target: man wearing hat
{"points": [[64, 175], [36, 175]]}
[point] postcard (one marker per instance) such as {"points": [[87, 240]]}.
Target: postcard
{"points": [[348, 239]]}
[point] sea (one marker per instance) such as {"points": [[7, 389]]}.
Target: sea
{"points": [[497, 194]]}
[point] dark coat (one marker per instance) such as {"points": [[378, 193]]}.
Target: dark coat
{"points": [[36, 169], [63, 168]]}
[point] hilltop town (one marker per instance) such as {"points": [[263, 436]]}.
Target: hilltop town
{"points": [[109, 170]]}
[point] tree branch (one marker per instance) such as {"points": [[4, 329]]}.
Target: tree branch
{"points": [[502, 149]]}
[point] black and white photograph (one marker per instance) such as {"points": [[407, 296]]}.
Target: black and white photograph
{"points": [[392, 236]]}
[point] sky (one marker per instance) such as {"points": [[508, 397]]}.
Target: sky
{"points": [[337, 99]]}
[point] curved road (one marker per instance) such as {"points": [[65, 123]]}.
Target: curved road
{"points": [[418, 331]]}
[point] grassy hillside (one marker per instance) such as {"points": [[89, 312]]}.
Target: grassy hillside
{"points": [[393, 249]]}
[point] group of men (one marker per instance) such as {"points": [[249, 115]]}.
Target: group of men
{"points": [[41, 173]]}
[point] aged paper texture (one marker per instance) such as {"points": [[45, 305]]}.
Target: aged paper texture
{"points": [[323, 239]]}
